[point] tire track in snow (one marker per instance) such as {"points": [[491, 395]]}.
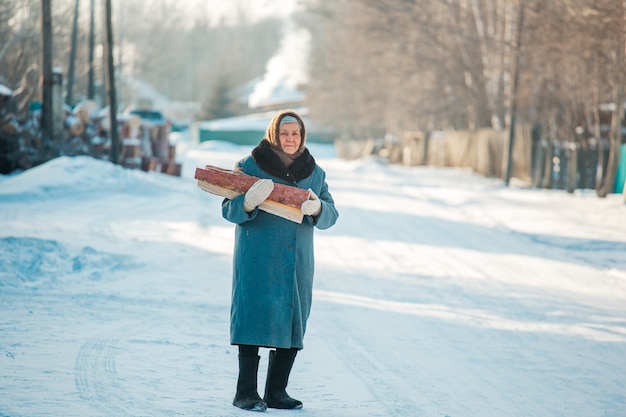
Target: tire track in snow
{"points": [[97, 379], [392, 376], [158, 365], [393, 389]]}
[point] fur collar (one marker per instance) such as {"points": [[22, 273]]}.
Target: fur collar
{"points": [[269, 162]]}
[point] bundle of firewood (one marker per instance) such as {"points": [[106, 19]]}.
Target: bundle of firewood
{"points": [[284, 201]]}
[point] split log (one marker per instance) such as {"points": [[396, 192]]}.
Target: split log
{"points": [[171, 154], [241, 182], [171, 168], [284, 201], [131, 148], [77, 129], [83, 114], [150, 164]]}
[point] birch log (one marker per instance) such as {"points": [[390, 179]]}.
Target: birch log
{"points": [[284, 201]]}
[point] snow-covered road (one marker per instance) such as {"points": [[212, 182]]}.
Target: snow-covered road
{"points": [[438, 293]]}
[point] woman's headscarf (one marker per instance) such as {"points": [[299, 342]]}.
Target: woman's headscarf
{"points": [[273, 129], [271, 158]]}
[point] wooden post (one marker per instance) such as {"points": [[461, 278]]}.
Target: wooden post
{"points": [[115, 141], [46, 74], [619, 100], [70, 75], [572, 171], [509, 164], [90, 76], [57, 105]]}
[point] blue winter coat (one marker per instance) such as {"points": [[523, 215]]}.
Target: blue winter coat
{"points": [[273, 266]]}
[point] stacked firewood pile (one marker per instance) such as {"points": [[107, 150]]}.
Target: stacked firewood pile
{"points": [[85, 132], [146, 146], [21, 146]]}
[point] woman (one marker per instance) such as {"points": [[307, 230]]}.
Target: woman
{"points": [[273, 261]]}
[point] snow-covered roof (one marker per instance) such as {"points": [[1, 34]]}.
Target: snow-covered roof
{"points": [[254, 122], [257, 121]]}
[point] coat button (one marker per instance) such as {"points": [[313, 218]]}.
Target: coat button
{"points": [[290, 247]]}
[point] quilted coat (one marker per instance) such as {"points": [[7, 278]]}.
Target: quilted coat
{"points": [[273, 261]]}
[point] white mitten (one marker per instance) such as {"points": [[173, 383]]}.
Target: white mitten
{"points": [[257, 194], [312, 206]]}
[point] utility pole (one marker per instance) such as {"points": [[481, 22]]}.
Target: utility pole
{"points": [[619, 100], [70, 75], [509, 163], [46, 80], [120, 39], [90, 76], [111, 93]]}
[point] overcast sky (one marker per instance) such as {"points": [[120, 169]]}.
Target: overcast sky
{"points": [[256, 9]]}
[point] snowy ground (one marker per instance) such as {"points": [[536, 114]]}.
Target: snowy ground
{"points": [[438, 293]]}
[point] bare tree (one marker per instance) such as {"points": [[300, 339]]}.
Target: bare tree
{"points": [[184, 57], [618, 45], [436, 63], [19, 56], [7, 34], [575, 65], [386, 65]]}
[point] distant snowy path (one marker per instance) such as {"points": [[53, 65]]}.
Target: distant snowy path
{"points": [[438, 293]]}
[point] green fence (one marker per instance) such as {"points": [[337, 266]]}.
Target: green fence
{"points": [[252, 137], [620, 177]]}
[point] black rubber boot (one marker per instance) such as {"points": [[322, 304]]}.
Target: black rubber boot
{"points": [[277, 378], [247, 397]]}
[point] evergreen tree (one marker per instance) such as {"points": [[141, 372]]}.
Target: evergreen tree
{"points": [[220, 103]]}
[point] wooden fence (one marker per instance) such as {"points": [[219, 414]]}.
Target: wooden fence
{"points": [[484, 151]]}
